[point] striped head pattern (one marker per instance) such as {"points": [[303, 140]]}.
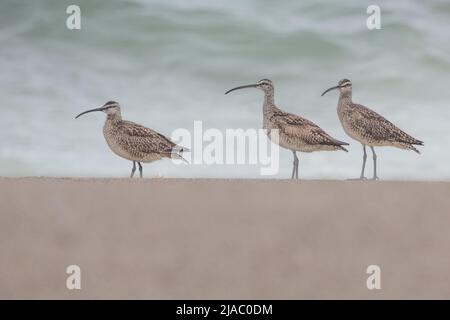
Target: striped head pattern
{"points": [[345, 86], [111, 108], [265, 85]]}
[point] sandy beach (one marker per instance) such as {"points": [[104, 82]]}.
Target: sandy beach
{"points": [[223, 239]]}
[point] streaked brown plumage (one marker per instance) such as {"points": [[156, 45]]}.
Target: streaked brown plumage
{"points": [[134, 142], [300, 134], [294, 132], [368, 127]]}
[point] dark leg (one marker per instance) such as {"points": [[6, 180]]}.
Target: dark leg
{"points": [[294, 166], [293, 169], [364, 162], [140, 169], [133, 169], [375, 177]]}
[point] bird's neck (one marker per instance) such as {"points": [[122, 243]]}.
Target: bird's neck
{"points": [[114, 117], [269, 101], [268, 108], [345, 97]]}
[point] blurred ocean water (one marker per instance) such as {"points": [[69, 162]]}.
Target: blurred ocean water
{"points": [[169, 63]]}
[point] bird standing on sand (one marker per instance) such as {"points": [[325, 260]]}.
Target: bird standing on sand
{"points": [[132, 141], [368, 127], [294, 132]]}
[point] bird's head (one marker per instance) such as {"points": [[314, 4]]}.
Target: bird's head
{"points": [[111, 108], [344, 86], [265, 85]]}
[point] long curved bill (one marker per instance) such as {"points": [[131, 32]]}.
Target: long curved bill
{"points": [[329, 89], [92, 110], [242, 87]]}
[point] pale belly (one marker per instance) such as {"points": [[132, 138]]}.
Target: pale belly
{"points": [[289, 143], [351, 132], [131, 155]]}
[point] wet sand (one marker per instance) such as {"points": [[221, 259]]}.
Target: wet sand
{"points": [[223, 239]]}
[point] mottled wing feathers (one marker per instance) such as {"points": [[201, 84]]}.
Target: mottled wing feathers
{"points": [[379, 128], [303, 129], [145, 140]]}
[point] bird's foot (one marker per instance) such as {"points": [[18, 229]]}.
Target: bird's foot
{"points": [[375, 178]]}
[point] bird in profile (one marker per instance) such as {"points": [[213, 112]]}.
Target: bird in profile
{"points": [[368, 127], [294, 132], [134, 142]]}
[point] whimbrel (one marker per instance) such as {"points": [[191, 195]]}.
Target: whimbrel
{"points": [[294, 132], [368, 127], [132, 141]]}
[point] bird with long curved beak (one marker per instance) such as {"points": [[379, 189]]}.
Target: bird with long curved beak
{"points": [[368, 127], [295, 133], [132, 141]]}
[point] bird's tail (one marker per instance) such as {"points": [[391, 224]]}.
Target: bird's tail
{"points": [[180, 149], [179, 156], [411, 141], [177, 151], [411, 147], [340, 144], [417, 143]]}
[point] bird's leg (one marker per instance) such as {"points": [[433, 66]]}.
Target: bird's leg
{"points": [[375, 177], [294, 166], [364, 163], [140, 169], [133, 169]]}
